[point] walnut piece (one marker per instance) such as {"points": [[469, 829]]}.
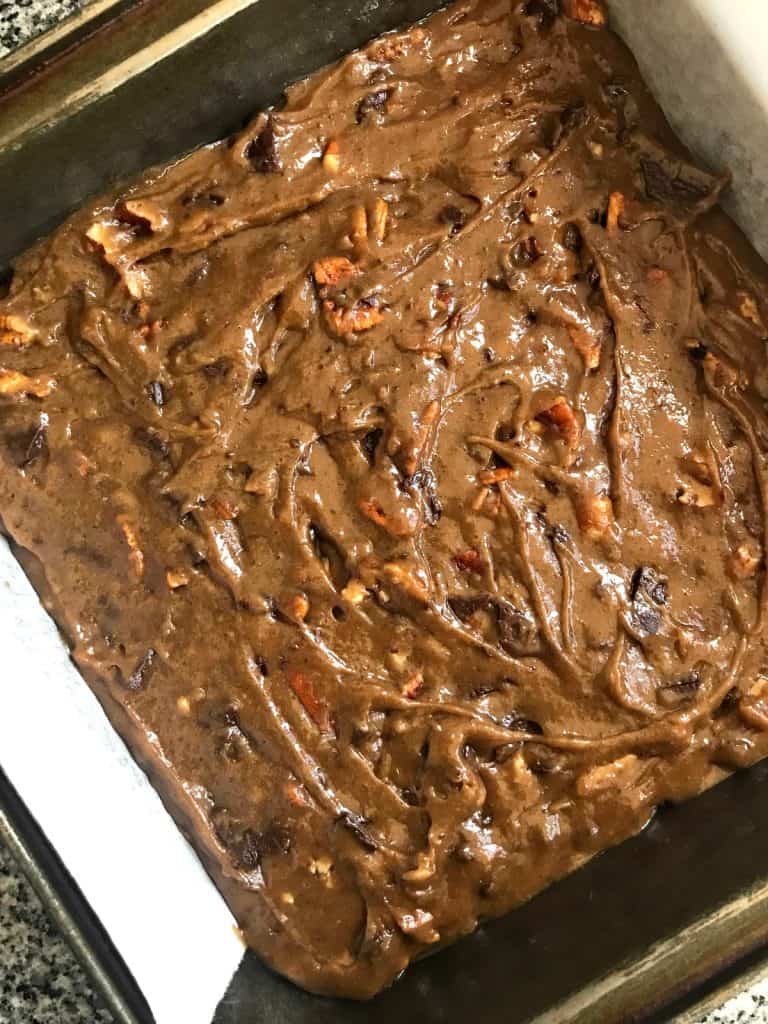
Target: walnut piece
{"points": [[316, 708], [176, 578]]}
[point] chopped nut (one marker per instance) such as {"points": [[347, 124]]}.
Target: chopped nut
{"points": [[359, 232], [412, 685], [562, 418], [721, 373], [298, 607], [287, 898], [470, 560], [184, 705], [749, 309], [588, 347], [424, 870], [489, 477], [701, 467], [373, 510], [136, 555], [753, 706], [142, 212], [321, 867], [334, 270], [590, 12], [615, 210], [380, 219], [407, 576], [222, 508], [595, 515], [13, 383], [316, 708], [14, 330], [608, 776], [83, 464], [745, 561], [597, 149], [296, 794], [693, 494], [355, 592], [176, 578], [332, 157], [656, 275], [352, 320], [397, 660]]}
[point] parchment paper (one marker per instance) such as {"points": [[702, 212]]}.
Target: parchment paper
{"points": [[109, 827], [705, 60]]}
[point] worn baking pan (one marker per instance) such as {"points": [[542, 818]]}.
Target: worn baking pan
{"points": [[634, 933]]}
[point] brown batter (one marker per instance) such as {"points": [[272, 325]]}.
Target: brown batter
{"points": [[397, 472]]}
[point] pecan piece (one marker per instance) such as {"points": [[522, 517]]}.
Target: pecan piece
{"points": [[560, 417], [315, 706], [595, 515], [13, 384], [176, 578], [332, 157], [379, 219], [589, 12], [14, 330], [373, 510], [404, 574], [136, 555], [412, 685], [333, 271], [614, 775], [745, 561], [616, 204], [753, 706], [363, 316], [589, 348], [470, 561]]}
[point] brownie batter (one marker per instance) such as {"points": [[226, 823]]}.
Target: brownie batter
{"points": [[397, 472]]}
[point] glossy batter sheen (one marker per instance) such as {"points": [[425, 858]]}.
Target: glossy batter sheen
{"points": [[397, 472]]}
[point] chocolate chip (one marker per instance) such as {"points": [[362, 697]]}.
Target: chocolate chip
{"points": [[375, 102], [262, 152], [355, 824], [455, 217], [151, 440], [370, 442], [517, 724], [526, 252], [544, 11]]}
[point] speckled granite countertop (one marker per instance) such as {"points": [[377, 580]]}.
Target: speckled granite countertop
{"points": [[40, 982]]}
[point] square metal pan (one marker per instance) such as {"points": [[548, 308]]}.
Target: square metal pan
{"points": [[681, 909]]}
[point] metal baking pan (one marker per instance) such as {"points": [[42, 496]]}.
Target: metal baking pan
{"points": [[659, 928]]}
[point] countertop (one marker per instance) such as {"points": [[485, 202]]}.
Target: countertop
{"points": [[40, 982]]}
